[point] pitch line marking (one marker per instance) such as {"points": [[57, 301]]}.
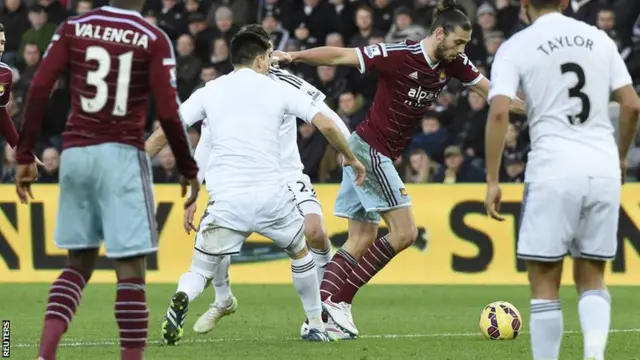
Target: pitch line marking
{"points": [[79, 343]]}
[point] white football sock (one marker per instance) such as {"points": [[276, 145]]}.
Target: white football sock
{"points": [[192, 284], [221, 282], [306, 282], [594, 309], [546, 327], [321, 258]]}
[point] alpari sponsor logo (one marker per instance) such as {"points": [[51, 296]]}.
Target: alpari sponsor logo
{"points": [[419, 98]]}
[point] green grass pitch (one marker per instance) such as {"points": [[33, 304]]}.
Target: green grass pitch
{"points": [[395, 322]]}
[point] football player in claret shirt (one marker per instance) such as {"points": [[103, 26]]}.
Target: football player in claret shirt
{"points": [[115, 59], [7, 129], [411, 75]]}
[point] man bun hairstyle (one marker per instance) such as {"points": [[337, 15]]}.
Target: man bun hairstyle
{"points": [[449, 16], [246, 46]]}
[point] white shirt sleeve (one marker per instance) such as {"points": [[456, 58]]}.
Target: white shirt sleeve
{"points": [[620, 76], [297, 103], [192, 110], [326, 110], [505, 77], [203, 149]]}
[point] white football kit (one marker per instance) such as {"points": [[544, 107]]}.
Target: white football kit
{"points": [[247, 189], [290, 160], [567, 70]]}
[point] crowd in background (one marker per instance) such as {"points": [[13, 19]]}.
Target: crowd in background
{"points": [[448, 146]]}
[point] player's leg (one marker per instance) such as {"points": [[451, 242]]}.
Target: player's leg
{"points": [[78, 229], [127, 207], [596, 244], [549, 220], [280, 220], [383, 192], [211, 259], [314, 232]]}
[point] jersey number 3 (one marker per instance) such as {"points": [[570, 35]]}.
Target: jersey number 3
{"points": [[576, 92], [97, 79]]}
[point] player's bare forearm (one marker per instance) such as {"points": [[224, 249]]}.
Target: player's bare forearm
{"points": [[629, 112], [327, 56], [517, 106], [7, 128], [495, 134], [177, 138], [627, 130], [155, 143]]}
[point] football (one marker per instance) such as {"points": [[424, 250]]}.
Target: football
{"points": [[500, 320]]}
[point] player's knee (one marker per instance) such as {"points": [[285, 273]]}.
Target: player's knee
{"points": [[83, 260], [204, 265], [588, 275], [316, 237], [544, 278], [405, 237], [297, 249]]}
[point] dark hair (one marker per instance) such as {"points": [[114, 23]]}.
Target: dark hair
{"points": [[257, 30], [246, 46], [543, 4], [449, 17]]}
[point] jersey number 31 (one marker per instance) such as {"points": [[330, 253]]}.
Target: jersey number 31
{"points": [[576, 92], [97, 78]]}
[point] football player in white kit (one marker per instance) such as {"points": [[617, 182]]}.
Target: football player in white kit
{"points": [[568, 71], [241, 150]]}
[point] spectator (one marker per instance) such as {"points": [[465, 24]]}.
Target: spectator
{"points": [[8, 169], [457, 169], [51, 160], [383, 14], [220, 56], [345, 10], [330, 85], [433, 138], [166, 173], [187, 66], [83, 7], [225, 26], [492, 42], [284, 10], [364, 23], [151, 17], [243, 11], [31, 59], [207, 73], [203, 35], [192, 7], [279, 35], [40, 32], [312, 146], [56, 13], [403, 27], [171, 19], [14, 17], [351, 109], [420, 168], [514, 169], [314, 21]]}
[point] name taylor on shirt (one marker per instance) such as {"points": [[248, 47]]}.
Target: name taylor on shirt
{"points": [[105, 33], [561, 42]]}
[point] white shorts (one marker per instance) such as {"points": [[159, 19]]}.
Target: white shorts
{"points": [[305, 195], [571, 215], [226, 224]]}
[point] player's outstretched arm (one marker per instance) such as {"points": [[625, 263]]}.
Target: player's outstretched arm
{"points": [[517, 106], [323, 56], [629, 113]]}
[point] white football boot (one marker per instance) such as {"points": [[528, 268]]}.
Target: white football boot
{"points": [[340, 313], [207, 321], [334, 331]]}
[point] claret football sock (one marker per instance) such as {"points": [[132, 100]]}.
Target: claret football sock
{"points": [[375, 259], [336, 273], [594, 309], [132, 316], [64, 298], [546, 327]]}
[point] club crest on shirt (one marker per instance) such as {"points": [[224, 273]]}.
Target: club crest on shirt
{"points": [[443, 76], [1, 89]]}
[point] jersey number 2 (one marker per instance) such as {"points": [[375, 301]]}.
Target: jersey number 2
{"points": [[96, 78], [576, 92]]}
